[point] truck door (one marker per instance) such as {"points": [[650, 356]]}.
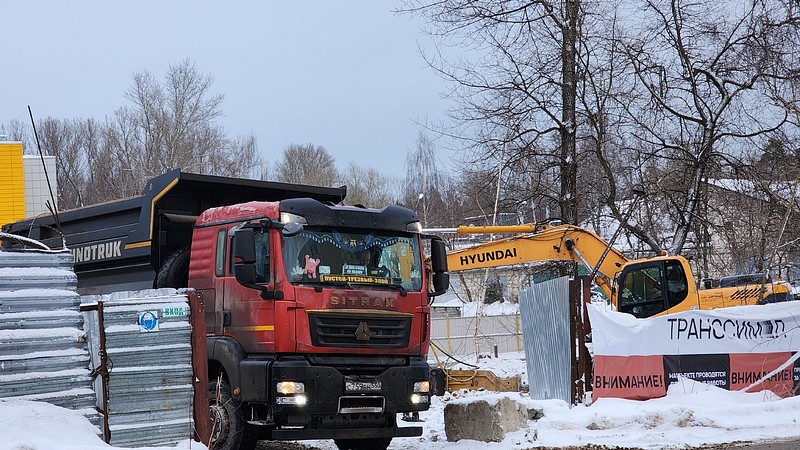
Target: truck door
{"points": [[249, 318], [214, 311]]}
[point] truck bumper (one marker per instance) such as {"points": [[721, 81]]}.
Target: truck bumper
{"points": [[345, 433], [342, 404]]}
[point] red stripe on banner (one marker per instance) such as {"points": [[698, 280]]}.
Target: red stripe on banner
{"points": [[756, 369], [632, 377]]}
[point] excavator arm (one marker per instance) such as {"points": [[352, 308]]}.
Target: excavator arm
{"points": [[536, 244], [644, 287]]}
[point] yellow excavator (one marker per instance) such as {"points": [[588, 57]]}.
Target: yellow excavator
{"points": [[642, 287]]}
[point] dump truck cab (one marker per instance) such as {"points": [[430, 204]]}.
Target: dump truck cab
{"points": [[317, 318]]}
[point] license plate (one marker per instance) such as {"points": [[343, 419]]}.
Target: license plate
{"points": [[362, 386]]}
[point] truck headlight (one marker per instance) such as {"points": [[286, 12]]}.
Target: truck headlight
{"points": [[417, 399], [422, 386], [297, 400], [291, 393], [290, 387]]}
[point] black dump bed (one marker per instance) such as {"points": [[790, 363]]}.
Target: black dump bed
{"points": [[120, 245]]}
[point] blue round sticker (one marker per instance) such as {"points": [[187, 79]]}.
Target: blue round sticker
{"points": [[148, 320]]}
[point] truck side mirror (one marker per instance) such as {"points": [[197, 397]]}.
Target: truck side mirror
{"points": [[438, 256], [440, 279], [441, 282], [244, 256]]}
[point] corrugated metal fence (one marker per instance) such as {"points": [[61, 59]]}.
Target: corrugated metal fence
{"points": [[142, 349], [545, 311], [43, 353]]}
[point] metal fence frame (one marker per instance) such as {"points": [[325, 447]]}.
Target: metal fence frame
{"points": [[477, 335], [148, 352]]}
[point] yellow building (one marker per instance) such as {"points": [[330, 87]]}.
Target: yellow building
{"points": [[12, 182]]}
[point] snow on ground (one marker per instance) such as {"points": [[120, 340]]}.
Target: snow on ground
{"points": [[692, 414], [470, 309], [27, 425]]}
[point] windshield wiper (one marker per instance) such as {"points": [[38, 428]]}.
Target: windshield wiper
{"points": [[398, 287], [318, 285]]}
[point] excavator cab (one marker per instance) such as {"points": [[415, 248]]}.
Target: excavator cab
{"points": [[649, 288]]}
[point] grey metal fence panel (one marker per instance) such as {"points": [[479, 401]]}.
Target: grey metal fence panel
{"points": [[471, 335], [544, 308], [149, 364], [43, 351]]}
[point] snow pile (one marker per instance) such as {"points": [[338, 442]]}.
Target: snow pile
{"points": [[26, 425], [492, 309], [692, 414]]}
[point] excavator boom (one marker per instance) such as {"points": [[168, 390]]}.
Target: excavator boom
{"points": [[562, 242], [643, 287]]}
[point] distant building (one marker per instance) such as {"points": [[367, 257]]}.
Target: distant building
{"points": [[23, 185], [12, 188], [744, 219], [37, 193]]}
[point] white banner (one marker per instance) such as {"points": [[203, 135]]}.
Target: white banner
{"points": [[769, 328]]}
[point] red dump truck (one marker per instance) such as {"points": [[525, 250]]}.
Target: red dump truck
{"points": [[317, 314]]}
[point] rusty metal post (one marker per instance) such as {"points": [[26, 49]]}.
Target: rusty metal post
{"points": [[102, 369], [202, 419], [586, 365], [579, 297], [574, 315]]}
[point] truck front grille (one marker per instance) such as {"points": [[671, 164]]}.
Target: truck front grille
{"points": [[363, 331], [361, 405]]}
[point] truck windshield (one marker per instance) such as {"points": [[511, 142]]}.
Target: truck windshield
{"points": [[335, 257]]}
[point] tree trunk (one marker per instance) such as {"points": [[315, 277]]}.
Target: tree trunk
{"points": [[567, 130]]}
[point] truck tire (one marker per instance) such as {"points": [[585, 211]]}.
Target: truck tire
{"points": [[363, 444], [174, 273], [229, 431]]}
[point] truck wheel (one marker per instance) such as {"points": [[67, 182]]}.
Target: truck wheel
{"points": [[174, 273], [363, 444], [228, 428]]}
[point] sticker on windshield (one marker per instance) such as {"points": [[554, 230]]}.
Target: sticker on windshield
{"points": [[353, 269], [355, 279]]}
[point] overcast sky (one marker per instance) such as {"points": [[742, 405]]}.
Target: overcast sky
{"points": [[346, 75]]}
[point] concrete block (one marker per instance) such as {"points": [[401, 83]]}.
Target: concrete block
{"points": [[486, 420]]}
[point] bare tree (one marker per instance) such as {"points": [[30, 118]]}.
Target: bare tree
{"points": [[368, 187], [702, 71], [425, 183], [18, 131], [172, 124], [307, 164], [62, 139], [518, 96]]}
